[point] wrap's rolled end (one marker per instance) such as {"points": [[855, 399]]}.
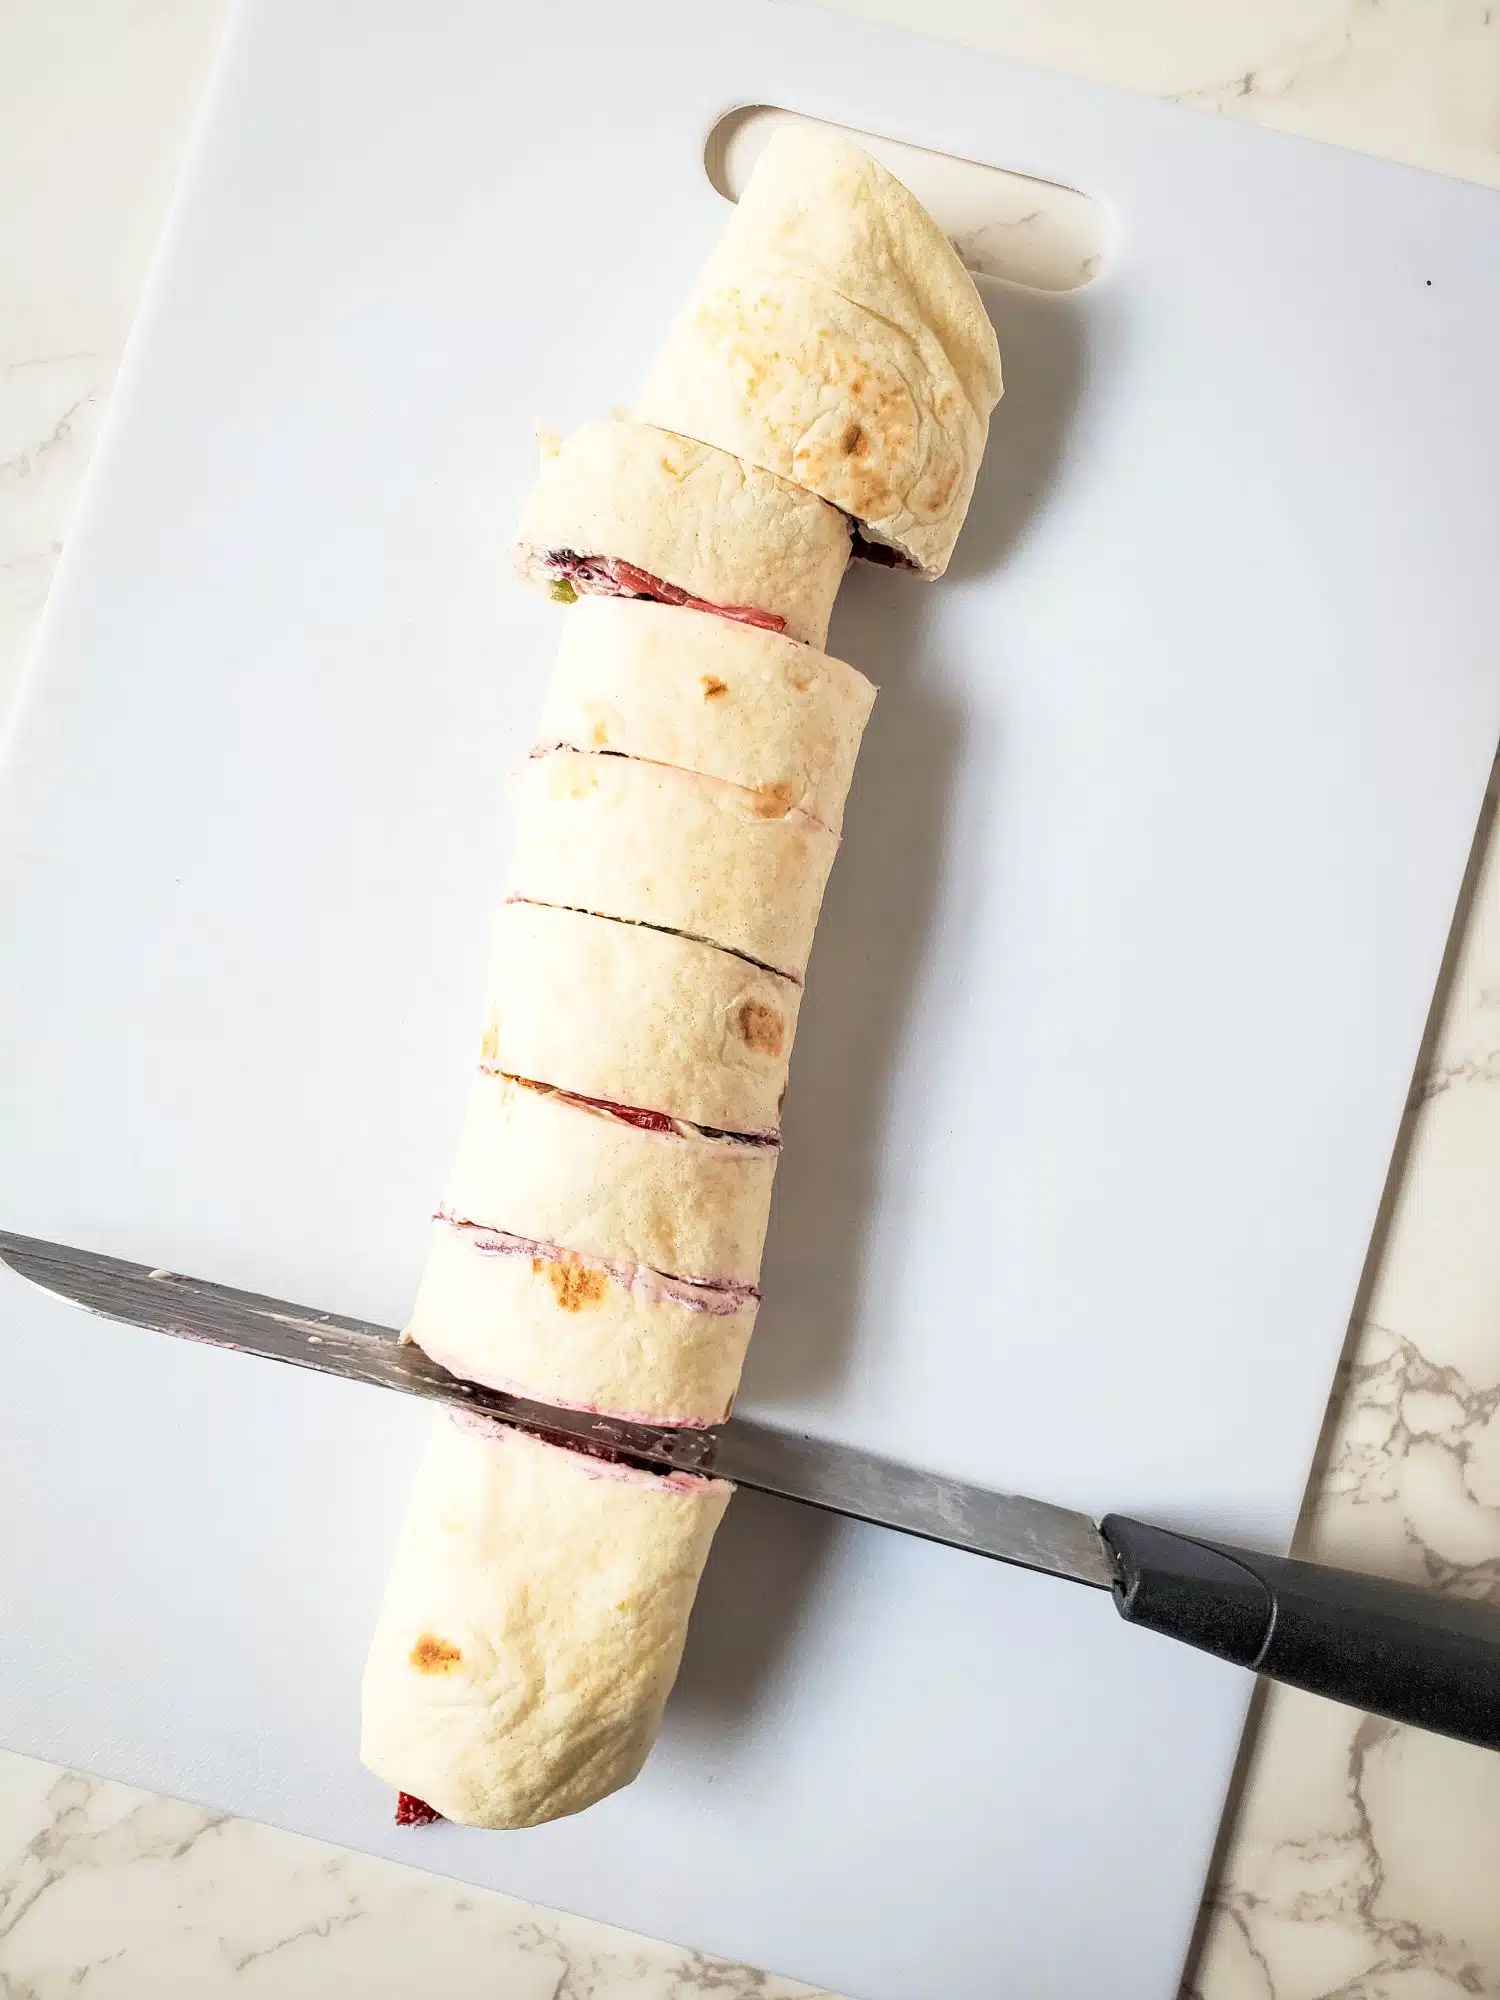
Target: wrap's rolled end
{"points": [[532, 1625], [836, 339]]}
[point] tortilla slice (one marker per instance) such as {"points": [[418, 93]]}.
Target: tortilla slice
{"points": [[678, 687], [639, 1017], [532, 1625], [836, 339], [535, 1320], [660, 1199], [584, 1258], [660, 846], [628, 510]]}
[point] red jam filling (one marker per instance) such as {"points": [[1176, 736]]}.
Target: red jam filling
{"points": [[411, 1811], [648, 1121], [634, 1114]]}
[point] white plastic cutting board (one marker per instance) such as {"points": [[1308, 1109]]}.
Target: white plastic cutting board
{"points": [[1152, 851]]}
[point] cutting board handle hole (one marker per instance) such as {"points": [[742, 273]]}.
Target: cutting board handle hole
{"points": [[1004, 225]]}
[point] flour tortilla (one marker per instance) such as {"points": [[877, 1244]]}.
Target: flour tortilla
{"points": [[540, 1166], [532, 1625], [728, 533], [680, 687], [835, 338], [640, 1017], [564, 1329], [661, 846]]}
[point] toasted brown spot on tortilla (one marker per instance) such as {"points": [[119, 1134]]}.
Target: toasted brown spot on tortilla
{"points": [[802, 683], [854, 443], [573, 778], [939, 482], [574, 1285], [432, 1655], [774, 801], [760, 1027], [713, 687]]}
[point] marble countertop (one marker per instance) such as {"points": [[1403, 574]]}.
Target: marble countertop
{"points": [[1360, 1860]]}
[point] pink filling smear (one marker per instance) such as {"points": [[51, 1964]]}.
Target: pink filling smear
{"points": [[609, 576], [723, 1296], [603, 1461]]}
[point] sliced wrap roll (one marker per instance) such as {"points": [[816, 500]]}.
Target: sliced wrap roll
{"points": [[532, 1625], [639, 1017], [656, 845], [836, 339], [534, 1320], [629, 510], [664, 1196], [580, 1258], [681, 688]]}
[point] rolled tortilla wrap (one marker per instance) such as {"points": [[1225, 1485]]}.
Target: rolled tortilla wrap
{"points": [[627, 509], [532, 1625], [582, 1258], [681, 688], [661, 846], [639, 1017], [836, 339], [535, 1320], [671, 1200]]}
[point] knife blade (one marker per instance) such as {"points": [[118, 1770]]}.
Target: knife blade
{"points": [[1411, 1654], [836, 1478]]}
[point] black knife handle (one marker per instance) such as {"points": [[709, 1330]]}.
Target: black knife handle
{"points": [[1396, 1650]]}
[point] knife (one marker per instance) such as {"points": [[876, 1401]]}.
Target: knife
{"points": [[1390, 1648]]}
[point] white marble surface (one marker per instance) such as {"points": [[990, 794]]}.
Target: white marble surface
{"points": [[1361, 1860]]}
